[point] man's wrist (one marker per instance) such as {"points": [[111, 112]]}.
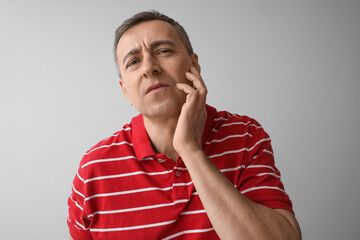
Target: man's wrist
{"points": [[193, 154]]}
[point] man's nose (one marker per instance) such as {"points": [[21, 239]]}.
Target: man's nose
{"points": [[150, 66]]}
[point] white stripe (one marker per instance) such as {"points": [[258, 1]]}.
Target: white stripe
{"points": [[128, 192], [124, 129], [259, 188], [78, 175], [234, 115], [72, 223], [262, 140], [132, 227], [126, 175], [180, 168], [188, 231], [227, 152], [272, 174], [107, 160], [241, 123], [113, 144], [193, 212], [261, 166], [78, 205], [240, 150], [220, 118], [79, 224], [182, 184], [73, 187], [267, 151], [230, 136], [139, 208], [116, 134], [77, 227], [235, 123], [161, 160], [232, 169]]}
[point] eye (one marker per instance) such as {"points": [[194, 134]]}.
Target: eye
{"points": [[132, 62], [164, 51]]}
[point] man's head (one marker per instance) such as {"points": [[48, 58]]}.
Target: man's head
{"points": [[153, 58], [148, 16]]}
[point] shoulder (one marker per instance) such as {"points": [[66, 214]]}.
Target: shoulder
{"points": [[229, 122], [120, 141], [234, 133]]}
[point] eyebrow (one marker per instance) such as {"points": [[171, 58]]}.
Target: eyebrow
{"points": [[152, 46], [130, 53], [162, 42]]}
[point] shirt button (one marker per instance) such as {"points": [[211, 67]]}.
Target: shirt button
{"points": [[177, 173]]}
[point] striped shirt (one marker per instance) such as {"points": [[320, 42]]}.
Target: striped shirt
{"points": [[124, 190]]}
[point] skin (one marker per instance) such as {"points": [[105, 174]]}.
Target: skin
{"points": [[174, 117]]}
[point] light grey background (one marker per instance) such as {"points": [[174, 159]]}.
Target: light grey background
{"points": [[292, 65]]}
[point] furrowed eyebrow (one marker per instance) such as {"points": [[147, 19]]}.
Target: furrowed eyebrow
{"points": [[162, 42], [130, 53], [152, 45]]}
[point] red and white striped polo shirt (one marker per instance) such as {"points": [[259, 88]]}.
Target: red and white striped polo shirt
{"points": [[124, 190]]}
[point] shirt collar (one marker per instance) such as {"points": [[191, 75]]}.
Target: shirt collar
{"points": [[141, 142]]}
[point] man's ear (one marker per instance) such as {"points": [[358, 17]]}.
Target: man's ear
{"points": [[123, 88], [195, 61]]}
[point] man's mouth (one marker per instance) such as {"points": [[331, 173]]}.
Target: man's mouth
{"points": [[156, 87]]}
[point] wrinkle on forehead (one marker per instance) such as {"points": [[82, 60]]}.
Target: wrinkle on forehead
{"points": [[153, 45]]}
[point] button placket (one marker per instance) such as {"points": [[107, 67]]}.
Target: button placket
{"points": [[180, 181]]}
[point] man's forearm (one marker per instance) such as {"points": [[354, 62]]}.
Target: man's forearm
{"points": [[232, 214]]}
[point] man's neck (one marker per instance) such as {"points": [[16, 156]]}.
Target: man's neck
{"points": [[161, 134]]}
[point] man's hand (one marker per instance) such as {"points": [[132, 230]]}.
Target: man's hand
{"points": [[190, 126]]}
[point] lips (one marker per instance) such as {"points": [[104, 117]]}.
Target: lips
{"points": [[155, 87]]}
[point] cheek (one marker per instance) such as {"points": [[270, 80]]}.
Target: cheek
{"points": [[129, 91], [180, 68]]}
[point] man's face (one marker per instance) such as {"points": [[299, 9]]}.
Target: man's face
{"points": [[152, 59]]}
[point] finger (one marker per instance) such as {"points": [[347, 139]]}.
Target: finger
{"points": [[193, 95], [197, 81], [195, 71], [185, 88], [191, 98]]}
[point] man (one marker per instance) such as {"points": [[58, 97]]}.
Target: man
{"points": [[180, 170]]}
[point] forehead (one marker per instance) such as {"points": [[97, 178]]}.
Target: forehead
{"points": [[143, 34]]}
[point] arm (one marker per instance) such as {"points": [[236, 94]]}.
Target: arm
{"points": [[233, 215], [78, 225]]}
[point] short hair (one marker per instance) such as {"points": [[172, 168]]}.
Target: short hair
{"points": [[148, 16]]}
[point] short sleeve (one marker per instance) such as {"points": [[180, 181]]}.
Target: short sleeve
{"points": [[78, 221], [261, 180]]}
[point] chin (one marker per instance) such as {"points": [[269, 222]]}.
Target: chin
{"points": [[162, 109]]}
